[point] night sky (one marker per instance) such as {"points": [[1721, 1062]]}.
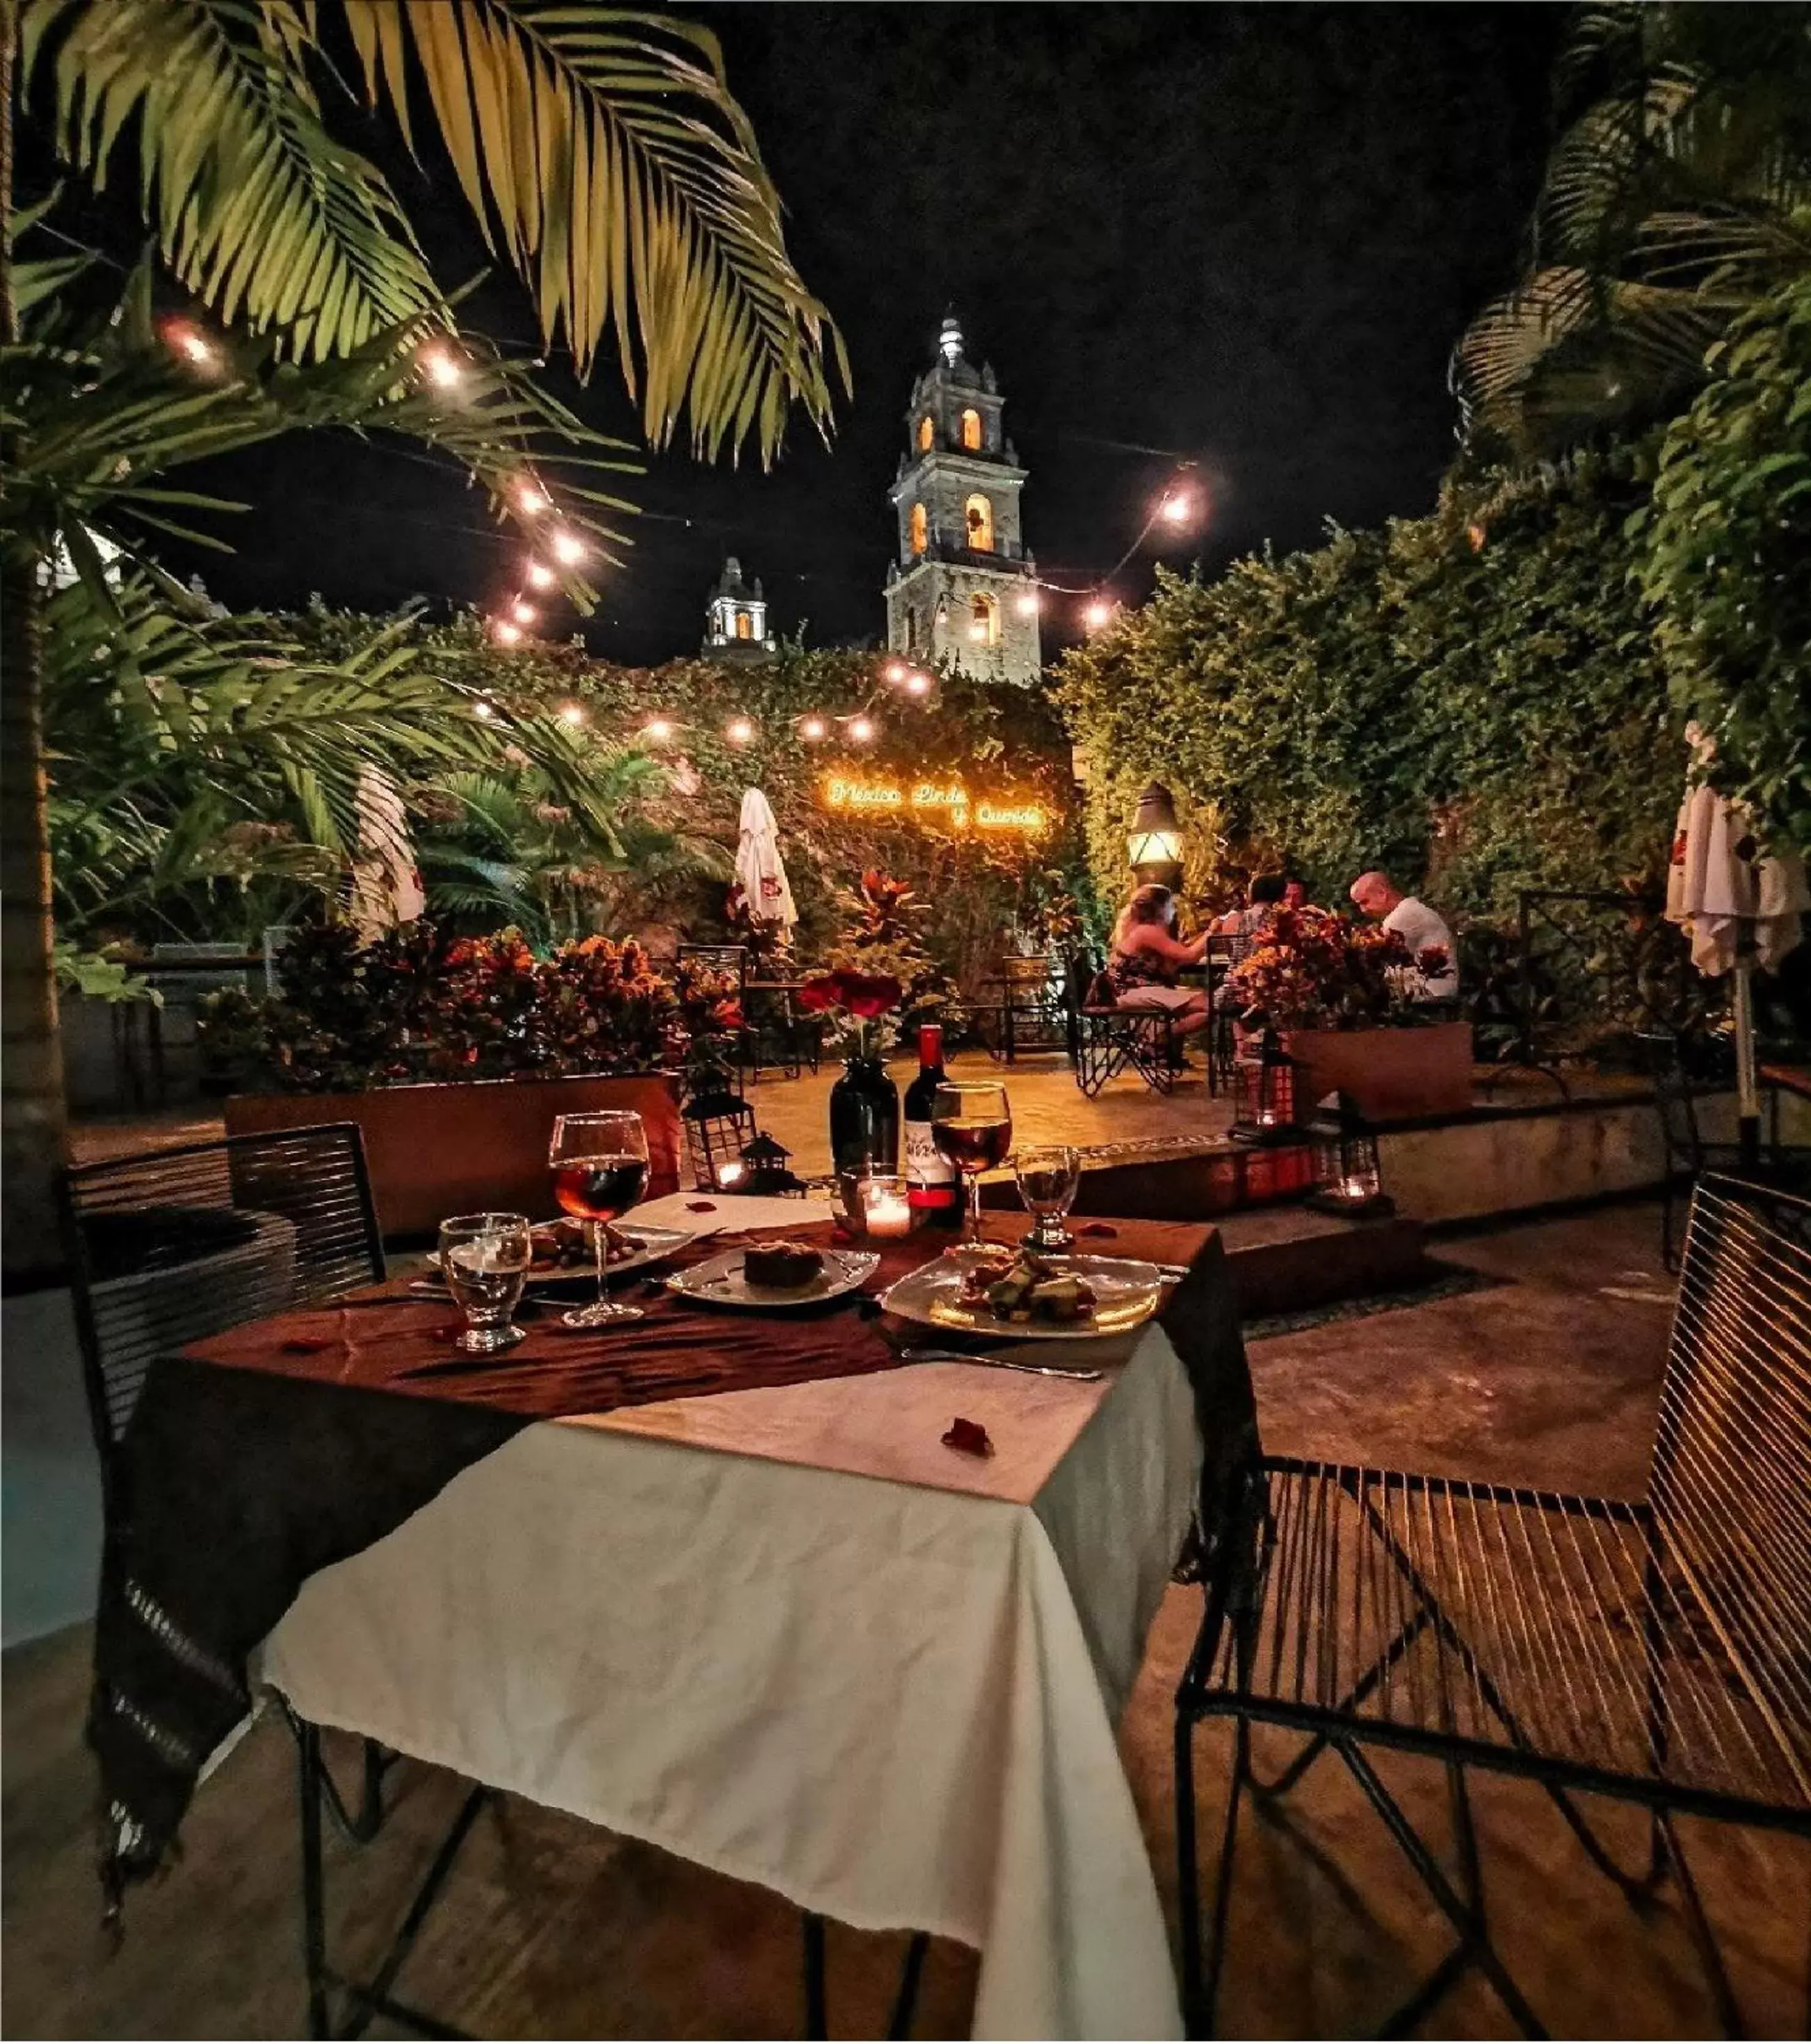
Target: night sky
{"points": [[1244, 235]]}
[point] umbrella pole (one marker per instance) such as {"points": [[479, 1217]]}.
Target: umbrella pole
{"points": [[1747, 1091]]}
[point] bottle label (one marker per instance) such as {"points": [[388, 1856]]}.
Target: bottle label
{"points": [[926, 1165]]}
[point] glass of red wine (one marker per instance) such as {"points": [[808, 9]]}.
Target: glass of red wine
{"points": [[972, 1125], [600, 1171]]}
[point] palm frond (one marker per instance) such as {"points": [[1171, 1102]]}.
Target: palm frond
{"points": [[605, 156], [256, 207]]}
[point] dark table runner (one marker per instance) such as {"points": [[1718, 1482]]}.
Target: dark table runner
{"points": [[262, 1454]]}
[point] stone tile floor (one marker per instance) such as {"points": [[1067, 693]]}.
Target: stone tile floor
{"points": [[551, 1929]]}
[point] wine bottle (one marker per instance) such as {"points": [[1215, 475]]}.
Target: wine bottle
{"points": [[931, 1187]]}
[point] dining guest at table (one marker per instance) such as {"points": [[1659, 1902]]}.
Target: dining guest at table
{"points": [[1264, 894], [1294, 892], [1429, 941], [1146, 959]]}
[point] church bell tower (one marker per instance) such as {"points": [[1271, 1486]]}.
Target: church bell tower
{"points": [[963, 584]]}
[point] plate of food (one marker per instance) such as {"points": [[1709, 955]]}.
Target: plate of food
{"points": [[563, 1254], [768, 1275], [995, 1290]]}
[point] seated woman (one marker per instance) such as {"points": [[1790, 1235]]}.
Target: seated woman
{"points": [[1145, 959], [1265, 893]]}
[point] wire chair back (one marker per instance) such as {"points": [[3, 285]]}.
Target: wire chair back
{"points": [[730, 959], [1730, 1487], [1676, 1102], [173, 1245]]}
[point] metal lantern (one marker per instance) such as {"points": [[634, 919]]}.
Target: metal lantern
{"points": [[764, 1170], [1155, 845], [1264, 1095], [1348, 1179], [720, 1125]]}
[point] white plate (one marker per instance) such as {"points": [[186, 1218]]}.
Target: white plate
{"points": [[657, 1245], [1125, 1293], [719, 1282]]}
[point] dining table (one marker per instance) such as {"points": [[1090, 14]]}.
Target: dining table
{"points": [[734, 1583]]}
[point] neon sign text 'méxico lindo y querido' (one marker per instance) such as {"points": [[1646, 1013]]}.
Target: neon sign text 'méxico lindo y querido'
{"points": [[945, 802]]}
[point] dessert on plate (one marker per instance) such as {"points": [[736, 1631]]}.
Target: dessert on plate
{"points": [[781, 1266]]}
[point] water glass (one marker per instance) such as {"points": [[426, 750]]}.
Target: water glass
{"points": [[1049, 1176], [485, 1258]]}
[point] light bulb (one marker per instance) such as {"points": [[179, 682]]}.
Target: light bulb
{"points": [[523, 613], [572, 713], [567, 546], [482, 712], [918, 685], [1099, 613], [658, 728], [812, 728], [505, 633], [861, 729], [978, 634], [740, 730], [441, 367], [189, 343], [532, 500], [1026, 604], [1177, 508], [896, 670], [540, 575]]}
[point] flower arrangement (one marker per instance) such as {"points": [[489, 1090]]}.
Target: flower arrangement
{"points": [[418, 1004], [1309, 969], [861, 998], [883, 940]]}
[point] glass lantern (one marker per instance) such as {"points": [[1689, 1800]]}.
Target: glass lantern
{"points": [[720, 1126], [764, 1170], [1264, 1095], [1155, 848], [1348, 1179]]}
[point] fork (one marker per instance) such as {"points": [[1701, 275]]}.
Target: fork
{"points": [[997, 1362]]}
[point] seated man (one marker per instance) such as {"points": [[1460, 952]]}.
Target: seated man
{"points": [[1265, 893], [1435, 978]]}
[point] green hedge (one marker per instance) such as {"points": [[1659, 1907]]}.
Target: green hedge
{"points": [[1472, 701]]}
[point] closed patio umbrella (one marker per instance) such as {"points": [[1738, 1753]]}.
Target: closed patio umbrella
{"points": [[760, 872], [386, 885], [1738, 907]]}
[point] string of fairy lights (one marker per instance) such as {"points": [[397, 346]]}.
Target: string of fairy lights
{"points": [[557, 546]]}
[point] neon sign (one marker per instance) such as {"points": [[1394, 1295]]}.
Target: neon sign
{"points": [[939, 802]]}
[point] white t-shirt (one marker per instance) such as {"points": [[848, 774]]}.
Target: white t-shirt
{"points": [[1417, 925]]}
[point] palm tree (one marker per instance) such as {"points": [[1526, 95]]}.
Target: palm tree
{"points": [[1677, 194], [605, 160]]}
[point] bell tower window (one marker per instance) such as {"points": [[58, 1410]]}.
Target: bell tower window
{"points": [[983, 620], [971, 431], [927, 434], [980, 523], [920, 529], [744, 625]]}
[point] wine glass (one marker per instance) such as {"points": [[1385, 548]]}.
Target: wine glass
{"points": [[972, 1125], [484, 1258], [600, 1170], [1049, 1176]]}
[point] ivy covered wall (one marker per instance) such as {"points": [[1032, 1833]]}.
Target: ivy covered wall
{"points": [[1472, 701]]}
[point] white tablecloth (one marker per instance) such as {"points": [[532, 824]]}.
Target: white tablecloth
{"points": [[787, 1634]]}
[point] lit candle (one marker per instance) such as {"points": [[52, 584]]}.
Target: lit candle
{"points": [[885, 1211]]}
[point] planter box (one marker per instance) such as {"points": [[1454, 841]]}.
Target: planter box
{"points": [[1392, 1074], [466, 1147]]}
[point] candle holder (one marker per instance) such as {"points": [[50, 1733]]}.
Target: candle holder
{"points": [[883, 1207], [1264, 1096], [1347, 1178]]}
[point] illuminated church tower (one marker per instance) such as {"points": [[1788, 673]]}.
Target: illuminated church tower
{"points": [[963, 584]]}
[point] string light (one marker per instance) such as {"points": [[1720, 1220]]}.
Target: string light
{"points": [[569, 548], [812, 728], [740, 731], [188, 343], [657, 728], [441, 367], [1177, 508], [505, 633], [1026, 604], [918, 685], [532, 500], [978, 634], [540, 575], [861, 729], [572, 713], [896, 670], [483, 712], [1098, 614], [523, 613]]}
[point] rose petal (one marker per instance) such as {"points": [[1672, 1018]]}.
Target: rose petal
{"points": [[968, 1437]]}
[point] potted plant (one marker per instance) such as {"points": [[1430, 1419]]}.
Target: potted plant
{"points": [[1347, 1003], [454, 1054]]}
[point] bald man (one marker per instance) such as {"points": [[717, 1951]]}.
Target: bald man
{"points": [[1377, 895]]}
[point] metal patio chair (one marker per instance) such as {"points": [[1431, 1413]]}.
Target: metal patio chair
{"points": [[170, 1246], [737, 962], [1223, 954], [1105, 1039], [1657, 1651]]}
